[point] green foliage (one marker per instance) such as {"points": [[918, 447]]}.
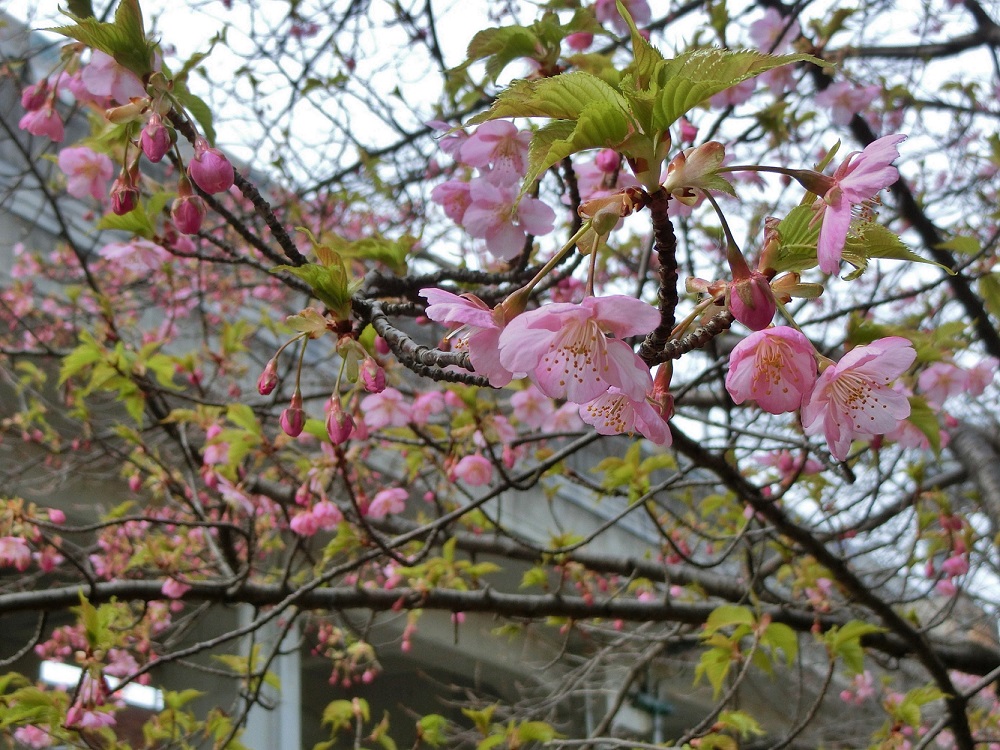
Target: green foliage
{"points": [[431, 729], [924, 418], [632, 470], [124, 39], [869, 239], [844, 642]]}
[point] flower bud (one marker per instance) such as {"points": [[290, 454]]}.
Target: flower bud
{"points": [[579, 41], [293, 419], [124, 193], [339, 424], [751, 301], [188, 213], [154, 139], [372, 375], [33, 97], [210, 169], [268, 379]]}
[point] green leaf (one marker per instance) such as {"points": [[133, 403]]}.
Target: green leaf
{"points": [[330, 284], [502, 46], [562, 97], [726, 615], [124, 39], [697, 75], [87, 353], [135, 222], [778, 635], [645, 56], [80, 8], [243, 416], [925, 419], [536, 731], [391, 253], [740, 722], [845, 642], [989, 290], [431, 729], [962, 245], [798, 238], [868, 239], [714, 664]]}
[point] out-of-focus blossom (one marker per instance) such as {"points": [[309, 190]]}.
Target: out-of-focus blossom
{"points": [[44, 122], [607, 13], [774, 33], [942, 380], [845, 100], [734, 95], [174, 589], [532, 408], [497, 144], [87, 172], [104, 77], [385, 409], [14, 552], [492, 215], [387, 502], [475, 470]]}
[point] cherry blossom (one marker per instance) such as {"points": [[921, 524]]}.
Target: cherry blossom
{"points": [[566, 351], [174, 589], [775, 367], [43, 121], [497, 144], [388, 501], [858, 179], [478, 332], [493, 215], [33, 736], [734, 95], [846, 100], [855, 399], [87, 172], [615, 413], [14, 552], [942, 380], [532, 408], [773, 33], [385, 409], [453, 196], [475, 470], [104, 77]]}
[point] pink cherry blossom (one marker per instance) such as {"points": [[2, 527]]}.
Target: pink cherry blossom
{"points": [[579, 41], [174, 589], [565, 419], [733, 95], [43, 121], [846, 100], [615, 413], [956, 565], [385, 409], [855, 398], [328, 516], [773, 33], [532, 407], [857, 180], [942, 380], [497, 144], [425, 405], [607, 13], [475, 470], [33, 736], [453, 196], [137, 254], [981, 375], [14, 552], [104, 77], [304, 523], [451, 141], [387, 501], [566, 351], [775, 367], [492, 215], [87, 172], [478, 332]]}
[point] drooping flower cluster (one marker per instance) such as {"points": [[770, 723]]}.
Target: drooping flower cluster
{"points": [[851, 399]]}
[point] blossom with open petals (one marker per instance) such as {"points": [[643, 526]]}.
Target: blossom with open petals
{"points": [[567, 353], [87, 172], [494, 217], [855, 398], [859, 179], [497, 144], [478, 330], [615, 413], [775, 367], [392, 500]]}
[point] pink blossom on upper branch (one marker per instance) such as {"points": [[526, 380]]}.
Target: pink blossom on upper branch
{"points": [[14, 552], [846, 100], [453, 196], [385, 409], [478, 332], [388, 501], [774, 33], [614, 413], [494, 217], [775, 367], [104, 77], [942, 380], [607, 13], [566, 351], [87, 172], [854, 398], [475, 470], [858, 179], [532, 407], [497, 144]]}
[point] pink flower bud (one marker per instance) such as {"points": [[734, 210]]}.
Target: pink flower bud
{"points": [[579, 41], [33, 97], [268, 379], [188, 212], [56, 516], [154, 139], [688, 131], [382, 346], [210, 169], [124, 194], [339, 424], [751, 301], [43, 121], [372, 375], [608, 161], [293, 419]]}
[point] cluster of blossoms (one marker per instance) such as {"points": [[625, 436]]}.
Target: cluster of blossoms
{"points": [[106, 85], [486, 205], [575, 352]]}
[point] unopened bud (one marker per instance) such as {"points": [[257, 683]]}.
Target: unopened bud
{"points": [[210, 169], [268, 379], [293, 419], [154, 139]]}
